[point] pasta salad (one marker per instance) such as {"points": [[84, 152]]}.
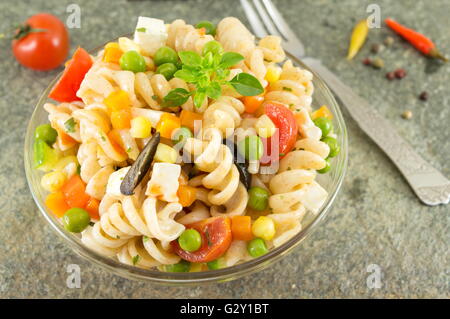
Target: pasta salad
{"points": [[186, 148]]}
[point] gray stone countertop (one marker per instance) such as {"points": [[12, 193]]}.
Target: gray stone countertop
{"points": [[376, 218]]}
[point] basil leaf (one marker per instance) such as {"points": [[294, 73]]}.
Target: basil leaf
{"points": [[199, 98], [214, 91], [186, 75], [70, 125], [208, 60], [246, 84], [176, 97], [229, 59], [190, 58]]}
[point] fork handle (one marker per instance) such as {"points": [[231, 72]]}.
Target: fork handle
{"points": [[428, 183]]}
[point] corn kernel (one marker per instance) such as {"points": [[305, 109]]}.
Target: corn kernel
{"points": [[265, 127], [264, 228], [273, 74], [197, 267], [323, 111], [53, 181], [68, 165], [141, 127], [166, 154]]}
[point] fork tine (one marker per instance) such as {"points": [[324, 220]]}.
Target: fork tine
{"points": [[266, 19], [281, 24], [255, 21]]}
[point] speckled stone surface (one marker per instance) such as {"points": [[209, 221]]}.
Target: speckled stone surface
{"points": [[376, 219]]}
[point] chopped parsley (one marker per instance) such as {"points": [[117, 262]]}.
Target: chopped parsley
{"points": [[70, 125], [136, 259], [282, 154], [129, 150], [208, 238], [155, 97], [141, 29], [287, 89], [145, 239]]}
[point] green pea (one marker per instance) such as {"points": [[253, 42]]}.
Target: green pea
{"points": [[258, 198], [209, 27], [46, 133], [216, 264], [182, 266], [324, 124], [181, 135], [76, 220], [326, 168], [212, 46], [257, 247], [167, 69], [190, 240], [251, 147], [333, 144], [165, 55], [132, 61]]}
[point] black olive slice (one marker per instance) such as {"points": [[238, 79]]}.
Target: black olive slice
{"points": [[239, 161], [140, 167]]}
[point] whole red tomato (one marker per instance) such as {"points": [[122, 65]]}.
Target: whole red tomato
{"points": [[42, 43]]}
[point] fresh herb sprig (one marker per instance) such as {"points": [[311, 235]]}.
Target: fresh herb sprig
{"points": [[209, 72]]}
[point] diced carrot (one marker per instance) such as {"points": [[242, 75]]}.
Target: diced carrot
{"points": [[201, 31], [112, 53], [252, 103], [92, 208], [186, 195], [188, 118], [56, 203], [116, 141], [167, 124], [74, 192], [66, 139], [121, 119], [241, 227], [117, 101]]}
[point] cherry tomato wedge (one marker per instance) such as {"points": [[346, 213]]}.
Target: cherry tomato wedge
{"points": [[65, 90], [41, 43], [284, 120], [216, 239]]}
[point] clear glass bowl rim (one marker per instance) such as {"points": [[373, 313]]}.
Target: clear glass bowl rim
{"points": [[195, 278]]}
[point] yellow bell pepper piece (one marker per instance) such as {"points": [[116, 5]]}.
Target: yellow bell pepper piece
{"points": [[112, 53], [117, 101], [323, 111]]}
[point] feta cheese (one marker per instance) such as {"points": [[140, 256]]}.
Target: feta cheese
{"points": [[306, 126], [164, 182], [313, 196], [114, 181], [150, 34]]}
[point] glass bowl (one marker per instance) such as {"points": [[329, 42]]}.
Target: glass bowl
{"points": [[331, 181]]}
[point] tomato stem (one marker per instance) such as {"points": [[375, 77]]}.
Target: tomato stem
{"points": [[25, 29]]}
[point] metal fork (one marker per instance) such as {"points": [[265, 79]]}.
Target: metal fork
{"points": [[430, 186]]}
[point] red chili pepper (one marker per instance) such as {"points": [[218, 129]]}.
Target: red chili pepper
{"points": [[418, 40]]}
